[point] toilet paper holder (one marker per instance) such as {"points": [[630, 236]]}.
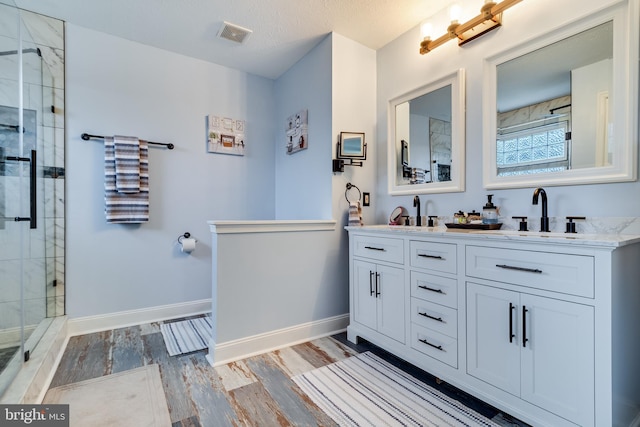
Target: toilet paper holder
{"points": [[186, 235], [187, 243]]}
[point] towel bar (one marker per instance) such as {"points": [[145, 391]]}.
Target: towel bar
{"points": [[87, 137]]}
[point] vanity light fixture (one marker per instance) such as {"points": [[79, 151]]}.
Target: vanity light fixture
{"points": [[490, 18]]}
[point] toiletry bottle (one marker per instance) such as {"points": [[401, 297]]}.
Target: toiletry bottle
{"points": [[489, 212]]}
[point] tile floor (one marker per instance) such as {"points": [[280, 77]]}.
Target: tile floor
{"points": [[256, 391]]}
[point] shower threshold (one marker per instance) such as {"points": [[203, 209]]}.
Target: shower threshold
{"points": [[29, 386]]}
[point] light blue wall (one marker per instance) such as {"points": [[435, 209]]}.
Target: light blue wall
{"points": [[401, 69], [303, 179], [115, 86]]}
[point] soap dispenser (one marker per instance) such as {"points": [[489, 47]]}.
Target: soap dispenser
{"points": [[489, 212]]}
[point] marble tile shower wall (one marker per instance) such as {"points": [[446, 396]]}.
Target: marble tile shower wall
{"points": [[43, 91], [440, 142], [532, 112]]}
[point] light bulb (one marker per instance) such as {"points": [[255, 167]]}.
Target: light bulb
{"points": [[454, 12], [426, 29]]}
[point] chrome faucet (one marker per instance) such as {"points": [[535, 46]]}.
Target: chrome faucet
{"points": [[544, 219], [416, 203]]}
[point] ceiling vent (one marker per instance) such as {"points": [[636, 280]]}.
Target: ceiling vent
{"points": [[234, 32]]}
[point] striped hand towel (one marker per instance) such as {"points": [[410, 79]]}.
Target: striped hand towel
{"points": [[123, 207], [127, 158]]}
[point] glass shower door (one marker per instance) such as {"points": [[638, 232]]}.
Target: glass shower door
{"points": [[22, 237]]}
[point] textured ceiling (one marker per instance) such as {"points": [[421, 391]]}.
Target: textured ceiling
{"points": [[283, 30]]}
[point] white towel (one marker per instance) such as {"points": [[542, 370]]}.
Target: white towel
{"points": [[127, 159], [122, 207]]}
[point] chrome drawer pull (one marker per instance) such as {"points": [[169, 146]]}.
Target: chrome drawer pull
{"points": [[511, 267], [439, 319], [439, 347], [430, 256], [374, 248], [431, 289]]}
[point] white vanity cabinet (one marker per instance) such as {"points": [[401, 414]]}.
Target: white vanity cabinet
{"points": [[546, 328], [378, 286], [537, 348], [434, 305], [523, 336]]}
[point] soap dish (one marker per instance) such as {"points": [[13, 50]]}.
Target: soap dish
{"points": [[475, 226]]}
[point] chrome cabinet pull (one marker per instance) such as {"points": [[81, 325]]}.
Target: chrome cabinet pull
{"points": [[511, 267]]}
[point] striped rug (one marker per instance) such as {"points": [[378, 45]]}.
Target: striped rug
{"points": [[187, 336], [365, 390]]}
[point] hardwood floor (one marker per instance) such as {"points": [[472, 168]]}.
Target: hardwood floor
{"points": [[257, 391]]}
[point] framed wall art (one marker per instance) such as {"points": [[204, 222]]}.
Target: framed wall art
{"points": [[225, 135], [297, 131]]}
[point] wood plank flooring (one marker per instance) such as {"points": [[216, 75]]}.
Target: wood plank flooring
{"points": [[257, 391]]}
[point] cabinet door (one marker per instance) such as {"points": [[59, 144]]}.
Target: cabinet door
{"points": [[493, 353], [391, 309], [558, 359], [364, 299]]}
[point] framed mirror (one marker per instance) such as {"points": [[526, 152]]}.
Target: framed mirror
{"points": [[562, 109], [426, 142]]}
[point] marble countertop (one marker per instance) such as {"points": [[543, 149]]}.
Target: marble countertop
{"points": [[609, 240]]}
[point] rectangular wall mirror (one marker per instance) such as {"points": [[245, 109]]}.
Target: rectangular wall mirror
{"points": [[562, 109], [426, 142]]}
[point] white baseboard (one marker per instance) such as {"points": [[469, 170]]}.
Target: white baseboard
{"points": [[223, 353], [122, 319]]}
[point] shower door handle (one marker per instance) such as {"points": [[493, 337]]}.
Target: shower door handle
{"points": [[32, 188]]}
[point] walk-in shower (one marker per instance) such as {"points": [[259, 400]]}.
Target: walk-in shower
{"points": [[31, 183]]}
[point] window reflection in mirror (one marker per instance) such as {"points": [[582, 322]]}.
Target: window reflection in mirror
{"points": [[553, 106], [597, 55], [426, 138]]}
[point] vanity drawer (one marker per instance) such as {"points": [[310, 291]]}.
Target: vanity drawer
{"points": [[557, 272], [434, 344], [433, 255], [379, 248], [435, 317], [441, 290]]}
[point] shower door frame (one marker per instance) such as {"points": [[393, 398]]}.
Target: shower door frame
{"points": [[41, 261]]}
